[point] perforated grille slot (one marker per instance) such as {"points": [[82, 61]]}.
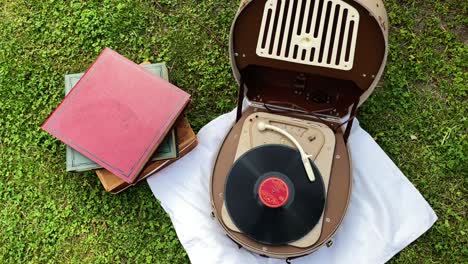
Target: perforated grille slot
{"points": [[313, 32]]}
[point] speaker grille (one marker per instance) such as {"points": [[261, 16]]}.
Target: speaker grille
{"points": [[313, 32]]}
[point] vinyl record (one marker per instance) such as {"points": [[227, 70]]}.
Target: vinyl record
{"points": [[269, 196]]}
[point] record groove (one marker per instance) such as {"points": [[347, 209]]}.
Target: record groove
{"points": [[269, 196]]}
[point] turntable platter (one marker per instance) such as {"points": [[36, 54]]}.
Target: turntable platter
{"points": [[269, 196]]}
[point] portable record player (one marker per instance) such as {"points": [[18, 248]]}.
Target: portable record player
{"points": [[281, 183]]}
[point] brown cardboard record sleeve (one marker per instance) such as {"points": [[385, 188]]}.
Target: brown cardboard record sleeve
{"points": [[186, 141]]}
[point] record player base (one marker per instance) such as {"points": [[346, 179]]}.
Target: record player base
{"points": [[337, 200]]}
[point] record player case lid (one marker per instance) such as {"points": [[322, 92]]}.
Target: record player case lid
{"points": [[317, 55]]}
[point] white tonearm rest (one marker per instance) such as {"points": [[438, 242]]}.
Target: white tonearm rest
{"points": [[305, 158]]}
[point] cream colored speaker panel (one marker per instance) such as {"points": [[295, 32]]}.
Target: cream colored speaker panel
{"points": [[312, 32]]}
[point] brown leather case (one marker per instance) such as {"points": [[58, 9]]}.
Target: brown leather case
{"points": [[187, 140], [300, 89]]}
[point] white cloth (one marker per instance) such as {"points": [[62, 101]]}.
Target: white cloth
{"points": [[386, 212]]}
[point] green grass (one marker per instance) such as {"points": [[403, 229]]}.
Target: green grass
{"points": [[418, 116]]}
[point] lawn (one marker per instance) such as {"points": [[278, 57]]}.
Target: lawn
{"points": [[418, 116]]}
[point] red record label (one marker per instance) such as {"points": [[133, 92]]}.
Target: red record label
{"points": [[273, 192]]}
